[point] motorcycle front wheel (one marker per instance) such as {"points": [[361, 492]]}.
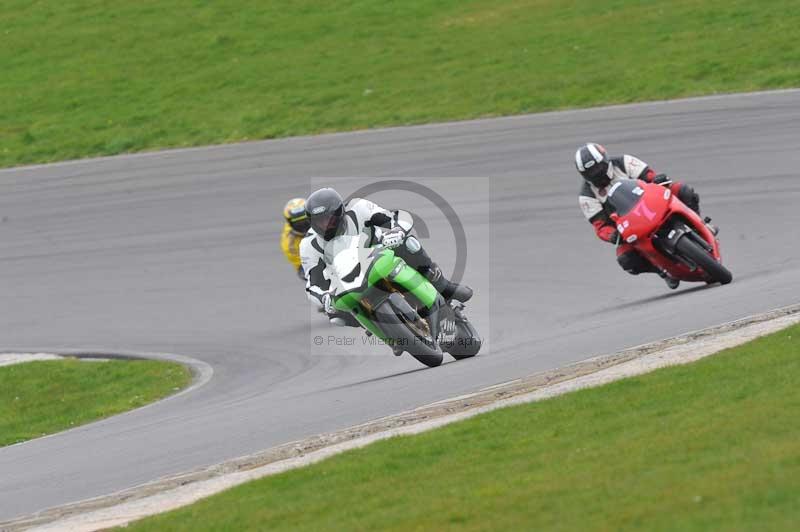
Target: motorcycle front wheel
{"points": [[691, 250], [402, 334]]}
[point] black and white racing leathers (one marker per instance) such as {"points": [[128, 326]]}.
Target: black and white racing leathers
{"points": [[365, 217]]}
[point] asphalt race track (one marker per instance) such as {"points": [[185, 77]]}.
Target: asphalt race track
{"points": [[178, 252]]}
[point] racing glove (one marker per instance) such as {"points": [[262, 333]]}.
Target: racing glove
{"points": [[327, 304], [393, 238], [605, 231]]}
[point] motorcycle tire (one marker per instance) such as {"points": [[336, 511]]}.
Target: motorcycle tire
{"points": [[401, 334], [469, 344], [691, 250]]}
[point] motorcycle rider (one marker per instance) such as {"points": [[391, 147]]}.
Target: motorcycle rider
{"points": [[330, 217], [294, 230], [600, 172]]}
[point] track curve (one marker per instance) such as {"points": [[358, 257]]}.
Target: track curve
{"points": [[178, 251]]}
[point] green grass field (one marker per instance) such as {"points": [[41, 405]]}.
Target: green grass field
{"points": [[38, 398], [90, 77], [714, 445]]}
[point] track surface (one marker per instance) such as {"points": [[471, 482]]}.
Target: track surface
{"points": [[178, 252]]}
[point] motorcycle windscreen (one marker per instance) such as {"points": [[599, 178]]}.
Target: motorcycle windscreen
{"points": [[624, 196]]}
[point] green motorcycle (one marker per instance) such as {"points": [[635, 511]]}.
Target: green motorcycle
{"points": [[397, 304]]}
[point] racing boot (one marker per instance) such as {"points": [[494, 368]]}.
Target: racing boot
{"points": [[448, 289], [672, 283]]}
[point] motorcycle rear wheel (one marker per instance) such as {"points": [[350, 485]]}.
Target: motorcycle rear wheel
{"points": [[688, 248], [467, 342]]}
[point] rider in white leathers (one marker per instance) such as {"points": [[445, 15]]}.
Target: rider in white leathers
{"points": [[330, 217]]}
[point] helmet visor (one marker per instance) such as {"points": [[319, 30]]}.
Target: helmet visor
{"points": [[300, 226], [597, 174], [326, 223]]}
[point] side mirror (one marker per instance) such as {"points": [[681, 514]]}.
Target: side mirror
{"points": [[405, 220], [614, 217]]}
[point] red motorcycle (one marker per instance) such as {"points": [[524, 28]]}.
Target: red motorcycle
{"points": [[668, 233]]}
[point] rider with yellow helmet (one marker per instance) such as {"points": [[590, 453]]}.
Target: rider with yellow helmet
{"points": [[295, 228]]}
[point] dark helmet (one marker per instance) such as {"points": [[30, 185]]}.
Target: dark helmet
{"points": [[325, 212], [294, 212], [591, 161]]}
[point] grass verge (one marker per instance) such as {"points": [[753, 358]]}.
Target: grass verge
{"points": [[39, 398], [714, 445], [85, 78]]}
